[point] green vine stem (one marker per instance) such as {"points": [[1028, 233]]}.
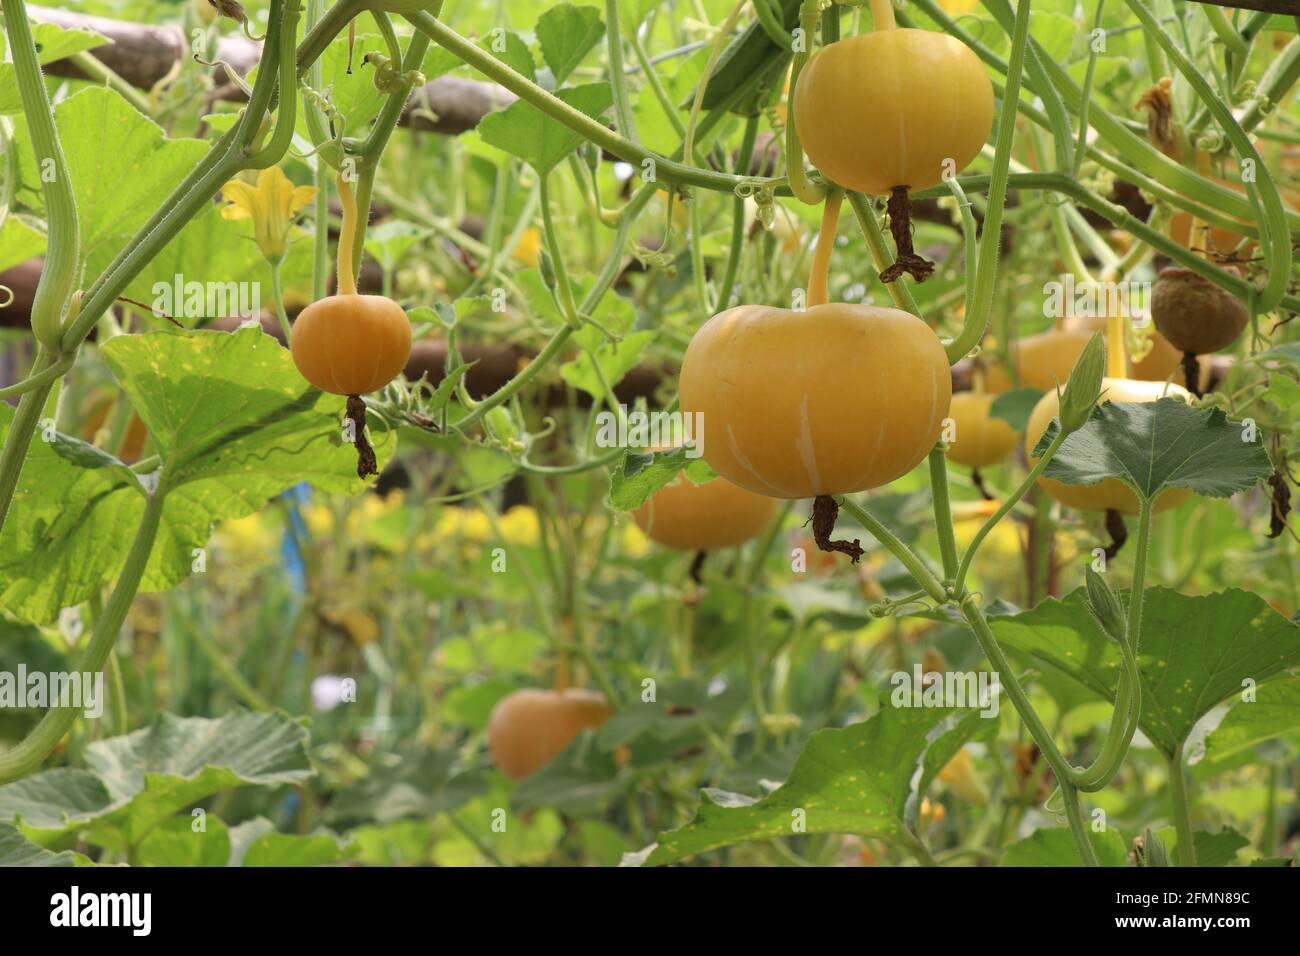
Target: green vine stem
{"points": [[908, 558], [745, 159], [31, 752], [943, 510], [980, 307], [1185, 849], [563, 290], [617, 76], [38, 379], [804, 189], [1274, 236], [666, 170], [63, 253], [286, 110]]}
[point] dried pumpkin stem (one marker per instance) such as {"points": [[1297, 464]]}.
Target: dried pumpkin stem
{"points": [[825, 512], [366, 462], [1117, 530], [1192, 374], [900, 227]]}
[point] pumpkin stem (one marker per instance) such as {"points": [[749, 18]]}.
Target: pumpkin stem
{"points": [[1118, 532], [347, 282], [978, 481], [900, 227], [819, 274], [824, 513], [1192, 374], [366, 462]]}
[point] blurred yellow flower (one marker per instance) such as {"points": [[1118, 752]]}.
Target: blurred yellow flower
{"points": [[466, 524], [319, 520], [519, 525], [959, 7], [271, 205], [529, 249], [632, 541]]}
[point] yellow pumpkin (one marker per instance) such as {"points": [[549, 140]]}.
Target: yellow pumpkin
{"points": [[716, 514], [1043, 361], [831, 400], [978, 439], [1109, 493], [529, 727], [890, 108], [351, 344]]}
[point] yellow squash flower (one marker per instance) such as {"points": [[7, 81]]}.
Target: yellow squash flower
{"points": [[271, 205]]}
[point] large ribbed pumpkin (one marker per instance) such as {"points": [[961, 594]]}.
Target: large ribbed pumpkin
{"points": [[830, 400]]}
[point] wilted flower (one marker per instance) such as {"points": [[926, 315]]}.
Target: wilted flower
{"points": [[271, 205]]}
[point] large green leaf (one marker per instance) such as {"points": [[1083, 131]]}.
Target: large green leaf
{"points": [[523, 130], [1274, 711], [606, 364], [639, 475], [18, 243], [567, 33], [1055, 846], [856, 779], [52, 43], [236, 425], [120, 162], [1151, 446], [1194, 651], [135, 782], [17, 850]]}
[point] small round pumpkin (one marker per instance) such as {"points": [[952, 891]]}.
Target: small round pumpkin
{"points": [[716, 514], [831, 400], [979, 440], [351, 344], [1109, 493], [891, 108], [529, 727]]}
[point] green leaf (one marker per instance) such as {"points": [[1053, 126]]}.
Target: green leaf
{"points": [[422, 783], [120, 162], [514, 53], [1151, 446], [612, 359], [52, 43], [1055, 846], [175, 842], [134, 782], [639, 476], [17, 850], [1193, 652], [1015, 407], [567, 33], [18, 243], [523, 130], [291, 849], [1283, 391], [235, 423], [1217, 849], [1274, 711], [854, 779], [391, 240], [749, 54]]}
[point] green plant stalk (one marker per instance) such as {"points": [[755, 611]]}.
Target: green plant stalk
{"points": [[1078, 828], [1144, 161], [277, 293], [1081, 149], [900, 291], [63, 253], [372, 147], [117, 694], [943, 510], [37, 379], [1278, 79], [563, 291], [666, 170], [971, 266], [719, 41], [981, 307], [617, 76], [1185, 849], [804, 189], [1123, 219], [1232, 41], [31, 752], [959, 582], [770, 21], [96, 71], [746, 158], [1274, 237], [282, 137], [656, 84], [915, 565]]}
